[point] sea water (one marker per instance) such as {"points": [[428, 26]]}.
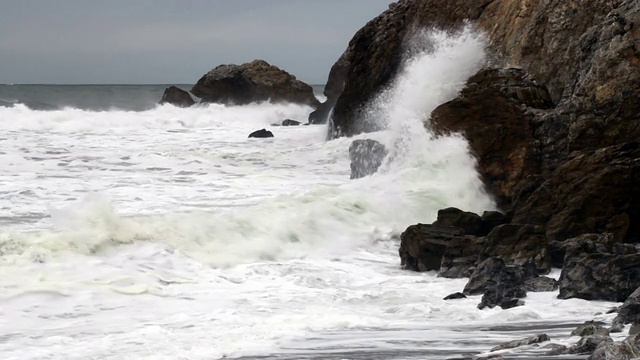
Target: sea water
{"points": [[137, 231]]}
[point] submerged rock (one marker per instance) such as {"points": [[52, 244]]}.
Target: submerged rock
{"points": [[455, 296], [262, 133], [536, 339], [177, 97], [366, 157], [289, 122], [252, 82]]}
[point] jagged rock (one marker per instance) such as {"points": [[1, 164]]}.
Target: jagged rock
{"points": [[500, 285], [493, 272], [541, 284], [629, 312], [590, 328], [422, 246], [492, 113], [289, 122], [506, 296], [252, 82], [461, 256], [177, 97], [518, 244], [536, 339], [600, 277], [262, 133], [455, 296], [468, 222], [366, 157]]}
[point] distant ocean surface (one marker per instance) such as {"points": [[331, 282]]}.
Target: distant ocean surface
{"points": [[91, 97], [130, 230]]}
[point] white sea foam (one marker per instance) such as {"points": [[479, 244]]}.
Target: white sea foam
{"points": [[168, 234]]}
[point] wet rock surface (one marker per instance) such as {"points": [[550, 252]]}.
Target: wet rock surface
{"points": [[177, 97], [252, 82]]}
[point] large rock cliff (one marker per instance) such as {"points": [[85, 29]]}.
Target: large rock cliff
{"points": [[586, 58]]}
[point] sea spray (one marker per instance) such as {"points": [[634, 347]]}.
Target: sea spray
{"points": [[285, 198]]}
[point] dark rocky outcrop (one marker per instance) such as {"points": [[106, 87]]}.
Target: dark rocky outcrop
{"points": [[541, 284], [290, 122], [600, 276], [468, 222], [262, 133], [455, 296], [590, 328], [366, 157], [252, 82], [629, 312], [501, 285], [422, 246], [177, 97]]}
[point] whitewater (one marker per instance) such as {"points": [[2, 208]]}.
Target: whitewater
{"points": [[168, 234]]}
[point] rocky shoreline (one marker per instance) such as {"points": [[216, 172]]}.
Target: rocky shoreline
{"points": [[554, 122]]}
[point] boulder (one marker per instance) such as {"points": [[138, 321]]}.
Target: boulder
{"points": [[366, 157], [455, 296], [177, 97], [501, 285], [422, 246], [468, 222], [506, 296], [536, 339], [629, 312], [289, 122], [590, 328], [600, 276], [262, 133], [541, 284], [252, 82]]}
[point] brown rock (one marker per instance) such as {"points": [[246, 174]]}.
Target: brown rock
{"points": [[492, 113], [252, 82], [175, 96]]}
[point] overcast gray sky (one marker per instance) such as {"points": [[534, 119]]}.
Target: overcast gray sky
{"points": [[172, 41]]}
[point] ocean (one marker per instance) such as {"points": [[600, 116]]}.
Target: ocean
{"points": [[130, 230]]}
